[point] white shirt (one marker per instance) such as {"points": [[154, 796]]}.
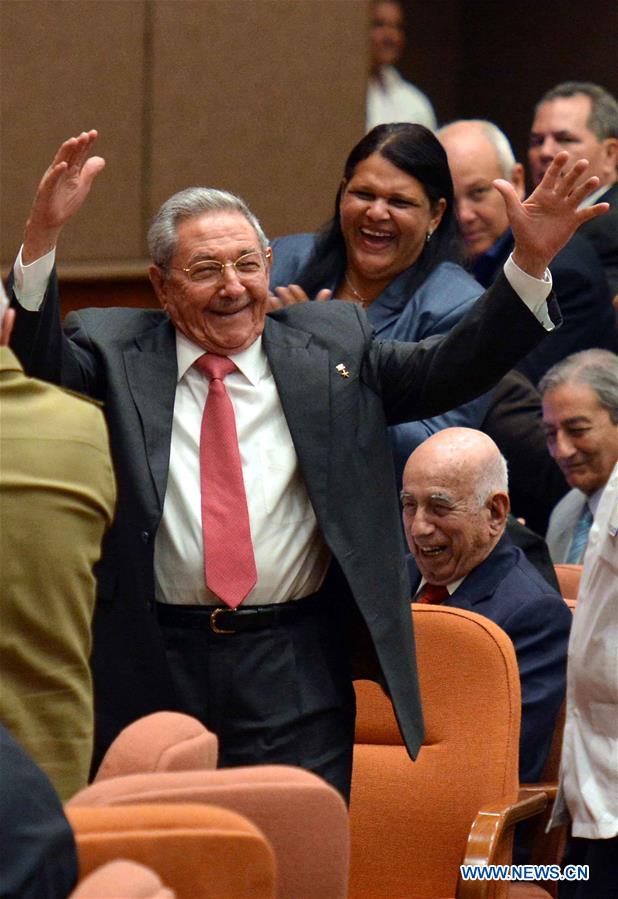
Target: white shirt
{"points": [[595, 196], [390, 98], [290, 554], [589, 764]]}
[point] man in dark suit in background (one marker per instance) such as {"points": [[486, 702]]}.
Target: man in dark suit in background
{"points": [[326, 593], [582, 118], [455, 503], [479, 152]]}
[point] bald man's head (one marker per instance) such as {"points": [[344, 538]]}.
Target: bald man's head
{"points": [[455, 503], [478, 153]]}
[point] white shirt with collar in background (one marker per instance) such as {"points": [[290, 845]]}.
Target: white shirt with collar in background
{"points": [[390, 98], [588, 790]]}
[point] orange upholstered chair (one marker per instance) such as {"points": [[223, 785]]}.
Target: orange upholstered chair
{"points": [[304, 819], [414, 823], [200, 851], [568, 579], [122, 879], [163, 741]]}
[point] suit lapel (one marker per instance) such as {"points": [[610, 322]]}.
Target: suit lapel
{"points": [[483, 581], [566, 526], [152, 371], [302, 374]]}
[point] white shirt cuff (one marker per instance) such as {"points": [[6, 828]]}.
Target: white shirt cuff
{"points": [[532, 291], [31, 280]]}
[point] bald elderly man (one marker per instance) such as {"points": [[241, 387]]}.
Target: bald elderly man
{"points": [[455, 503]]}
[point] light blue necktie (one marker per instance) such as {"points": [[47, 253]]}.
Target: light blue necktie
{"points": [[580, 536]]}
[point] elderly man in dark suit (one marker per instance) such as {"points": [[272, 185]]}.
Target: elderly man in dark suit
{"points": [[582, 118], [455, 503], [259, 631]]}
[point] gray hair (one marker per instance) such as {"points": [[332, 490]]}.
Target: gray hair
{"points": [[496, 137], [596, 369], [603, 119], [493, 478], [193, 201]]}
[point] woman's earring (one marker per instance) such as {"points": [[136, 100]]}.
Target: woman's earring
{"points": [[428, 238]]}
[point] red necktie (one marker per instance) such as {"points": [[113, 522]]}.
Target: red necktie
{"points": [[433, 594], [229, 563]]}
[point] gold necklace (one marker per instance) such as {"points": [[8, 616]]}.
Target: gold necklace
{"points": [[364, 302]]}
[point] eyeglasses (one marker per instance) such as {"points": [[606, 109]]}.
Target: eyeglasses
{"points": [[210, 271]]}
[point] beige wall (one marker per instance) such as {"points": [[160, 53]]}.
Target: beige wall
{"points": [[262, 97]]}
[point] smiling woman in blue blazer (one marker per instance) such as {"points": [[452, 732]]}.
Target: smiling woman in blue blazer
{"points": [[392, 246]]}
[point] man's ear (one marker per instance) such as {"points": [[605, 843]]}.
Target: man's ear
{"points": [[518, 180], [268, 255], [610, 156], [499, 506], [159, 284]]}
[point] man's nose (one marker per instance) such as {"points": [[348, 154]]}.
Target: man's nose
{"points": [[549, 148], [420, 525], [231, 283], [563, 446], [464, 211]]}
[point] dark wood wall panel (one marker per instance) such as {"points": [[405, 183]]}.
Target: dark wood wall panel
{"points": [[266, 99], [263, 97], [69, 66], [494, 60], [529, 48]]}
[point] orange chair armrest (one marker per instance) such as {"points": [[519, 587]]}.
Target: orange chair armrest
{"points": [[550, 789], [488, 839]]}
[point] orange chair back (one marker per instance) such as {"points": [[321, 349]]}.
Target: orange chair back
{"points": [[568, 579], [163, 741], [304, 819], [200, 851], [122, 879], [410, 820]]}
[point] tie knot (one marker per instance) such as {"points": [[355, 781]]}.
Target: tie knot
{"points": [[586, 514], [433, 593], [215, 367]]}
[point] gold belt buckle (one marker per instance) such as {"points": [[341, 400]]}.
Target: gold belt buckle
{"points": [[213, 622]]}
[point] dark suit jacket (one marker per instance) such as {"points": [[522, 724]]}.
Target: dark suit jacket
{"points": [[602, 233], [126, 357], [508, 590], [585, 303], [403, 311], [38, 859], [514, 421]]}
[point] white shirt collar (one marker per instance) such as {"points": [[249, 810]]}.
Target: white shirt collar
{"points": [[252, 362], [450, 587], [594, 500], [594, 196]]}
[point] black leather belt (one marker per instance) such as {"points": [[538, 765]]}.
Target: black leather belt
{"points": [[222, 620]]}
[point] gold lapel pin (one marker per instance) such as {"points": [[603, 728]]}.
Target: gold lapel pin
{"points": [[342, 370]]}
